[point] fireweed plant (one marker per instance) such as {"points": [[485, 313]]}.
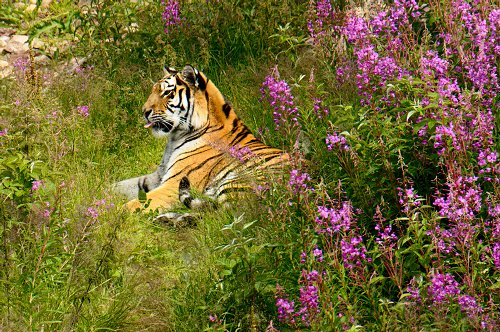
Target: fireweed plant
{"points": [[387, 219], [436, 260]]}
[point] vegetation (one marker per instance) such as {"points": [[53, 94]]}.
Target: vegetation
{"points": [[388, 220]]}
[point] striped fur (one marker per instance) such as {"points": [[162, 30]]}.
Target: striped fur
{"points": [[208, 145]]}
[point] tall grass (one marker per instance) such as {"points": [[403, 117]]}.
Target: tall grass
{"points": [[388, 218]]}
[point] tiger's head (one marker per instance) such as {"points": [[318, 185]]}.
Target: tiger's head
{"points": [[179, 102]]}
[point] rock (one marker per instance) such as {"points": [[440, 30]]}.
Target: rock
{"points": [[3, 43], [5, 69], [19, 5], [7, 31], [17, 44], [19, 38], [75, 63], [42, 60], [46, 3], [37, 43], [31, 7]]}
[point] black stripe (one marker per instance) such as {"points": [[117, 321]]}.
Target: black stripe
{"points": [[240, 136], [194, 150], [201, 82], [203, 163], [208, 177], [226, 108], [215, 129], [186, 157]]}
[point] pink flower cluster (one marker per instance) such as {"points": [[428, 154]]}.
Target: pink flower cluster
{"points": [[171, 14], [279, 95]]}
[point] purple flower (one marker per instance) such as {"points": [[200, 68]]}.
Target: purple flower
{"points": [[298, 181], [496, 255], [36, 185], [171, 14], [309, 301], [336, 141], [356, 29], [442, 239], [469, 305], [318, 253], [443, 287], [334, 220], [353, 252], [92, 213], [303, 257], [286, 310], [408, 199], [385, 237], [414, 293], [319, 109], [280, 97], [22, 64], [243, 154], [83, 111], [3, 132], [319, 20], [463, 199]]}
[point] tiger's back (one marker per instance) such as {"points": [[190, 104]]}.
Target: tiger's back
{"points": [[207, 143]]}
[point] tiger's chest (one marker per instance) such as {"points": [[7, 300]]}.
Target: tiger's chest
{"points": [[197, 159]]}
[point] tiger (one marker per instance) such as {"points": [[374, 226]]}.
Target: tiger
{"points": [[209, 149]]}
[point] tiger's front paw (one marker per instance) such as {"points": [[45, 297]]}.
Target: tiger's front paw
{"points": [[134, 205]]}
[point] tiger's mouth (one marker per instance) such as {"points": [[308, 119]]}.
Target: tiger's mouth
{"points": [[164, 126]]}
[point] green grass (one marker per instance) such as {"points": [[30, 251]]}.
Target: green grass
{"points": [[73, 259]]}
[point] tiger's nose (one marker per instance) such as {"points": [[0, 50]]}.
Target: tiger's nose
{"points": [[147, 112]]}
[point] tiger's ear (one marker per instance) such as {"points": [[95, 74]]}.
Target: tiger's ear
{"points": [[169, 71], [194, 77]]}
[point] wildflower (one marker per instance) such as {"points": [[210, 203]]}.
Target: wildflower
{"points": [[319, 110], [303, 257], [469, 305], [309, 301], [496, 255], [353, 252], [46, 213], [36, 185], [243, 154], [320, 15], [3, 132], [171, 14], [48, 210], [83, 111], [408, 199], [385, 237], [356, 29], [286, 310], [442, 288], [334, 220], [443, 239], [463, 199], [22, 64], [318, 253], [92, 213], [298, 181], [279, 96], [336, 141], [414, 293]]}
